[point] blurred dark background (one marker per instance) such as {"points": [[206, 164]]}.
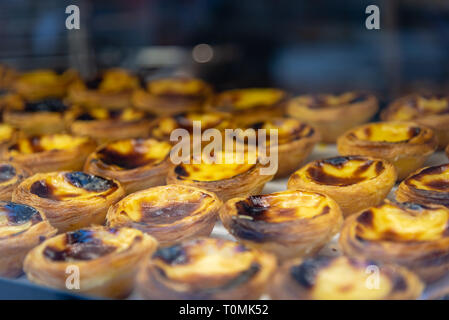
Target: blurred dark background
{"points": [[303, 46]]}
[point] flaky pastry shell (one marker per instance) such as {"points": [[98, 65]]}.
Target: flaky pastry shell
{"points": [[406, 145], [11, 175], [21, 228], [355, 182], [169, 96], [332, 115], [103, 260], [136, 163], [426, 186], [344, 278], [171, 213], [429, 110], [206, 269], [52, 152], [288, 224], [409, 234], [70, 200]]}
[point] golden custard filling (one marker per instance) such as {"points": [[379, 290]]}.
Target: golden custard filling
{"points": [[63, 186], [402, 223], [16, 218], [89, 244], [127, 115], [204, 258], [348, 281], [231, 165], [341, 171], [6, 132], [387, 132], [165, 205], [171, 86], [133, 153], [431, 179], [8, 174], [282, 206], [117, 80], [254, 97], [46, 143], [415, 106]]}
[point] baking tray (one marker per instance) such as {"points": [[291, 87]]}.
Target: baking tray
{"points": [[21, 288]]}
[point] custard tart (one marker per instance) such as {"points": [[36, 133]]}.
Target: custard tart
{"points": [[295, 141], [168, 96], [426, 185], [171, 213], [344, 278], [331, 114], [406, 145], [35, 117], [112, 90], [104, 261], [355, 182], [21, 228], [428, 110], [8, 136], [136, 163], [52, 152], [289, 224], [251, 104], [105, 125], [206, 269], [224, 175], [11, 175], [43, 83], [409, 234], [70, 200]]}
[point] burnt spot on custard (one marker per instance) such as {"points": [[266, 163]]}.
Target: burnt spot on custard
{"points": [[321, 101], [305, 273], [46, 105], [253, 206], [112, 115], [35, 143], [298, 132], [128, 161], [174, 255], [366, 218], [94, 83], [170, 214], [7, 172], [79, 245], [317, 173], [18, 213], [439, 192], [89, 182], [43, 190], [181, 171]]}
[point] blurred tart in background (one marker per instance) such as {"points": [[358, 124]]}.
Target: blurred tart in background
{"points": [[428, 110], [409, 234], [407, 145], [136, 163], [8, 136], [289, 224], [107, 260], [168, 96], [331, 114], [11, 175], [343, 278], [355, 182], [206, 269], [171, 213]]}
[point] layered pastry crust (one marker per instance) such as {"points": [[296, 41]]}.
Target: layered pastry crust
{"points": [[8, 136], [11, 175], [42, 116], [295, 141], [288, 224], [21, 228], [252, 104], [343, 278], [105, 125], [429, 110], [406, 145], [410, 234], [228, 179], [169, 96], [171, 213], [107, 260], [332, 115], [111, 90], [355, 182], [136, 163], [426, 185], [41, 84], [206, 269], [51, 152], [70, 200]]}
